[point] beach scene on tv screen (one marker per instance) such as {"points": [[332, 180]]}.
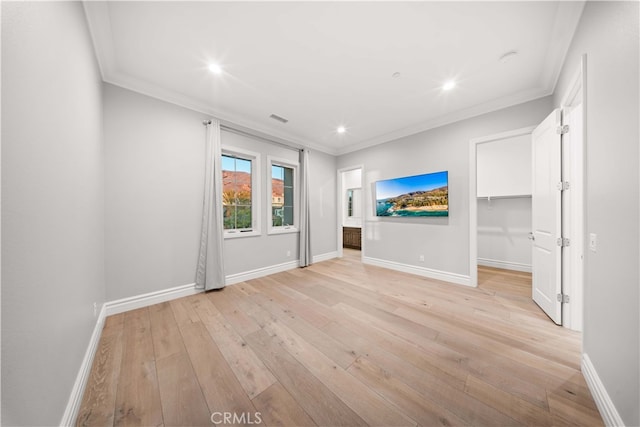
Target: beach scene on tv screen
{"points": [[419, 195]]}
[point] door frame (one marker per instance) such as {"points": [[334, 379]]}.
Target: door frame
{"points": [[573, 259], [473, 191], [340, 207]]}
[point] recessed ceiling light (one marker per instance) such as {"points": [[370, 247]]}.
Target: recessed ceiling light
{"points": [[215, 68], [449, 85], [341, 129]]}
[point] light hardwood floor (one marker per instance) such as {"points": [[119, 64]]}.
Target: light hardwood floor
{"points": [[341, 344]]}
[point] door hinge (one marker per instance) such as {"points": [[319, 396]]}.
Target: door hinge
{"points": [[563, 241], [564, 298], [561, 130], [564, 185]]}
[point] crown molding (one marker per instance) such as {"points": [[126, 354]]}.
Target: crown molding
{"points": [[564, 27], [233, 121], [97, 13], [456, 116]]}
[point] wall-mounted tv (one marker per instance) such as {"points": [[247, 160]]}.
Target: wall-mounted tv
{"points": [[419, 195]]}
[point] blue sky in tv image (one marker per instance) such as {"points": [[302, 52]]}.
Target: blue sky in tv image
{"points": [[398, 186]]}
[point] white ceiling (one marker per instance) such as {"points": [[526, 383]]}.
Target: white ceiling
{"points": [[325, 64]]}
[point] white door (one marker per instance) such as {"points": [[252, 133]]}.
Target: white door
{"points": [[546, 210]]}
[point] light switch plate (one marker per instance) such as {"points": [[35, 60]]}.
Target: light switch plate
{"points": [[593, 241]]}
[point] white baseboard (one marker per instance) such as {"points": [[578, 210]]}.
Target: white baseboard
{"points": [[273, 269], [458, 279], [605, 405], [325, 257], [260, 272], [144, 300], [506, 265], [77, 392]]}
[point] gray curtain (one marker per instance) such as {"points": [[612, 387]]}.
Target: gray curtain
{"points": [[210, 273], [305, 239]]}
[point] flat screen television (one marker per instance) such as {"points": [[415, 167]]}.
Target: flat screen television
{"points": [[419, 195]]}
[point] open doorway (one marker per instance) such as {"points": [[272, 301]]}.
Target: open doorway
{"points": [[350, 211], [503, 206], [501, 212]]}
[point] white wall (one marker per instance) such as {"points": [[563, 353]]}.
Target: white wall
{"points": [[154, 186], [608, 34], [52, 206], [154, 190], [504, 167], [440, 240], [503, 229]]}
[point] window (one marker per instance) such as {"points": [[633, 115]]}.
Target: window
{"points": [[349, 203], [354, 208], [240, 210], [281, 196], [283, 200]]}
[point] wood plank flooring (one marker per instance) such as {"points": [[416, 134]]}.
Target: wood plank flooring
{"points": [[341, 344]]}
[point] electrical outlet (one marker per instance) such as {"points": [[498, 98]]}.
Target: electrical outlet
{"points": [[288, 254], [421, 258], [593, 241], [95, 309]]}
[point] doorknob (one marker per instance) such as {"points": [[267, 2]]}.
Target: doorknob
{"points": [[531, 237]]}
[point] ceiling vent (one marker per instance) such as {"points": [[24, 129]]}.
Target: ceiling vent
{"points": [[278, 118]]}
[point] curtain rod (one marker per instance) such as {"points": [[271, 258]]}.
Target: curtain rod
{"points": [[249, 134]]}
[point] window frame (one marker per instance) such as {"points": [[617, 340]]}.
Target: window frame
{"points": [[256, 211], [278, 161]]}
